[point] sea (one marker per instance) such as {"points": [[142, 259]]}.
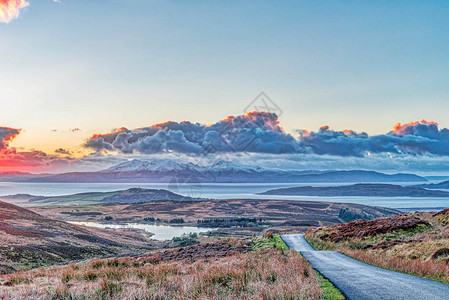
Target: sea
{"points": [[224, 191]]}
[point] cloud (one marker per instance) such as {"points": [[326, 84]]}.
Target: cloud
{"points": [[253, 132], [414, 146], [7, 135], [416, 138], [62, 151], [9, 9], [259, 132], [12, 159]]}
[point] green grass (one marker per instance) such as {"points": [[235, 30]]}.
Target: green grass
{"points": [[82, 198], [330, 292], [280, 243], [268, 241]]}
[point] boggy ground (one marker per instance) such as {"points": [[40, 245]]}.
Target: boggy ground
{"points": [[414, 243], [229, 269], [30, 239], [299, 215]]}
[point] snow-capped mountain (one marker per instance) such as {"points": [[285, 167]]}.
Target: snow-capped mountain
{"points": [[159, 165], [168, 165]]}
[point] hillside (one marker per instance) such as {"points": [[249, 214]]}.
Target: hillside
{"points": [[362, 190], [414, 243], [29, 240], [129, 196]]}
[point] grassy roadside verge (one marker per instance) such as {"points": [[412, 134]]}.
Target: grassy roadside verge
{"points": [[268, 241], [329, 291], [420, 250]]}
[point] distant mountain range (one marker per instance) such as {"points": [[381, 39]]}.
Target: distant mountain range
{"points": [[435, 186], [169, 171], [362, 190]]}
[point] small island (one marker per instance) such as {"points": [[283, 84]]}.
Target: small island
{"points": [[360, 189]]}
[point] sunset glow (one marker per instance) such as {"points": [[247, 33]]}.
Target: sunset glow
{"points": [[137, 137], [398, 127], [9, 9], [91, 88]]}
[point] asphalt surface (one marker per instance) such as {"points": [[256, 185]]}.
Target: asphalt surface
{"points": [[360, 281]]}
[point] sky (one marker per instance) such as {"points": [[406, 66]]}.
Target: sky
{"points": [[71, 69]]}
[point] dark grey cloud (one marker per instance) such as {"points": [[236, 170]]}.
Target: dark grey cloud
{"points": [[7, 135], [253, 132], [259, 132], [417, 138], [63, 151]]}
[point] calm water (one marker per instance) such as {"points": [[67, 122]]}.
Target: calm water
{"points": [[161, 232], [219, 191]]}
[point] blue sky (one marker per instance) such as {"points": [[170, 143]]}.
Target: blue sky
{"points": [[100, 65]]}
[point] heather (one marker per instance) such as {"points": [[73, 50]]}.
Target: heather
{"points": [[414, 243]]}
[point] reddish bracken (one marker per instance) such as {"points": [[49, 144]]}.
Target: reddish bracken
{"points": [[364, 228], [218, 249], [443, 212]]}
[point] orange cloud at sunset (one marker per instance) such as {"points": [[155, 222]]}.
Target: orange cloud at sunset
{"points": [[9, 9], [33, 160], [399, 127]]}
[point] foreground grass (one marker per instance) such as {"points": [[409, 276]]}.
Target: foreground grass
{"points": [[421, 251], [269, 273], [330, 292], [268, 241]]}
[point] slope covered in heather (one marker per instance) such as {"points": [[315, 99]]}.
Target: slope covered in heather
{"points": [[29, 240]]}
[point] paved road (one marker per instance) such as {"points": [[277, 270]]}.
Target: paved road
{"points": [[360, 281]]}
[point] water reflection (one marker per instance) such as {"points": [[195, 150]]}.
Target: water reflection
{"points": [[161, 232]]}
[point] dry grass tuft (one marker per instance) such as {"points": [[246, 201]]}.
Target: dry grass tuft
{"points": [[265, 274], [422, 251]]}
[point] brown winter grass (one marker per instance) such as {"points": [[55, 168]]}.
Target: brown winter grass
{"points": [[419, 251], [264, 274]]}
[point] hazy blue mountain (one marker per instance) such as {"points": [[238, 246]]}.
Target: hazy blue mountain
{"points": [[435, 186], [166, 171], [362, 189]]}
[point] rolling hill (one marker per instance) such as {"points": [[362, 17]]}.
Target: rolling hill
{"points": [[128, 196], [29, 240]]}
